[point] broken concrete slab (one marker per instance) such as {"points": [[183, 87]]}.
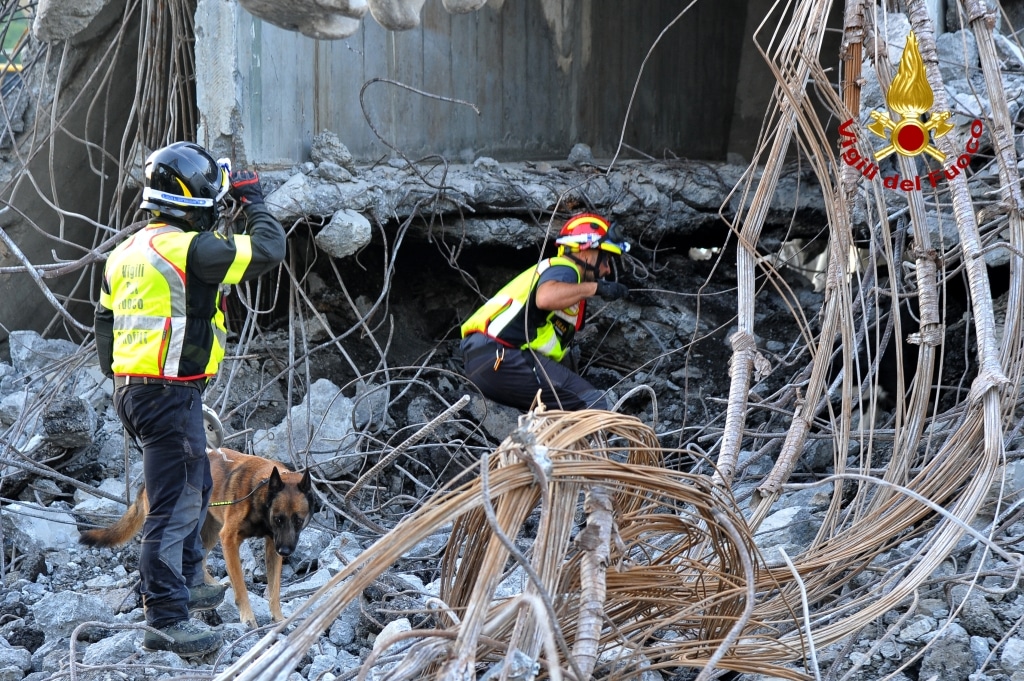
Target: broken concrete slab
{"points": [[74, 20]]}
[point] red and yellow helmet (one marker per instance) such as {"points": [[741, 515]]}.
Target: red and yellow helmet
{"points": [[584, 231]]}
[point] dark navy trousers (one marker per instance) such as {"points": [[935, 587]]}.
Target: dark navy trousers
{"points": [[521, 373], [167, 423]]}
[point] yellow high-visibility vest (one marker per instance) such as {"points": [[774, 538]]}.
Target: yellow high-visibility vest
{"points": [[553, 337], [146, 280]]}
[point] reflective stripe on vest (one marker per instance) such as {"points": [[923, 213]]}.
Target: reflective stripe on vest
{"points": [[506, 307]]}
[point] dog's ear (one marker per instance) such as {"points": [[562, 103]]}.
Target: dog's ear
{"points": [[305, 484], [275, 484]]}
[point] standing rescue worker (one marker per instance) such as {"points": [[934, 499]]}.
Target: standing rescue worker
{"points": [[513, 344], [160, 333]]}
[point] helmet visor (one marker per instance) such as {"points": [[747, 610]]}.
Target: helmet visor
{"points": [[614, 247], [167, 199], [613, 241]]}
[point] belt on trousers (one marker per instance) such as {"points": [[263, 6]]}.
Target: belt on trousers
{"points": [[485, 347], [496, 349], [120, 381]]}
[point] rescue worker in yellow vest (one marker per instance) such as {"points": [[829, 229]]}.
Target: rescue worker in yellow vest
{"points": [[160, 332], [513, 345]]}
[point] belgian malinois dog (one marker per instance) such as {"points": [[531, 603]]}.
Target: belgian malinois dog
{"points": [[252, 497]]}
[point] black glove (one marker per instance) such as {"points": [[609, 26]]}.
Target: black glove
{"points": [[245, 187], [611, 290]]}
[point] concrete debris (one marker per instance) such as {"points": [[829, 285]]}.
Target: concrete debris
{"points": [[327, 148], [345, 234], [51, 584], [463, 6], [76, 20], [957, 50], [397, 15], [318, 433], [317, 19], [31, 353], [36, 530], [581, 154], [55, 585], [336, 19], [949, 654], [69, 423], [487, 203]]}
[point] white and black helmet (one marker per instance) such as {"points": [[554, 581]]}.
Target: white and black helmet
{"points": [[185, 183]]}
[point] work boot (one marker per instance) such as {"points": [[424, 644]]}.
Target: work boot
{"points": [[188, 638], [205, 596]]}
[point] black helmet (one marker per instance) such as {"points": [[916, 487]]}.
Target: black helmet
{"points": [[183, 182]]}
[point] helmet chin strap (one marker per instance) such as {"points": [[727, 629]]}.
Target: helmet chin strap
{"points": [[191, 221], [587, 268]]}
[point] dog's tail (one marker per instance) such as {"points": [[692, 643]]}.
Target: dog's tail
{"points": [[121, 532]]}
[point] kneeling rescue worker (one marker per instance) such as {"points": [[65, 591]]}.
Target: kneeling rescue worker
{"points": [[160, 332], [513, 344]]}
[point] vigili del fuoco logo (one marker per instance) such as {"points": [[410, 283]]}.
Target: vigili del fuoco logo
{"points": [[911, 97]]}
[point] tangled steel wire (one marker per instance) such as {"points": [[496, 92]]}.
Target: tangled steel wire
{"points": [[660, 552], [663, 572], [574, 552]]}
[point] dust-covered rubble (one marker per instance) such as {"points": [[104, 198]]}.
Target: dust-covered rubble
{"points": [[55, 589]]}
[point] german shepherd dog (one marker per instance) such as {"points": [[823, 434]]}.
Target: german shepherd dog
{"points": [[252, 497]]}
